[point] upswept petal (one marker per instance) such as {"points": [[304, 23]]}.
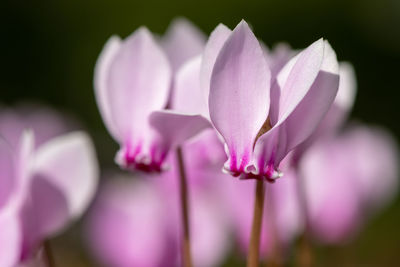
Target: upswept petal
{"points": [[66, 167], [339, 110], [101, 73], [306, 115], [305, 118], [138, 83], [177, 127], [187, 96], [311, 110], [182, 41], [297, 76], [214, 44], [239, 94]]}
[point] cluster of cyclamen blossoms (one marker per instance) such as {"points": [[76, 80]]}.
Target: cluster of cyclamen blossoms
{"points": [[275, 113], [261, 115], [48, 178], [228, 103]]}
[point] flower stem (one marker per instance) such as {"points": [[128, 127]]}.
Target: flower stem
{"points": [[186, 253], [254, 246], [48, 255]]}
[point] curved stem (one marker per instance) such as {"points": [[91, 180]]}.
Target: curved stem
{"points": [[186, 253], [254, 246]]}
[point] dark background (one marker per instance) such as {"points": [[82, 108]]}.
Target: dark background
{"points": [[49, 48]]}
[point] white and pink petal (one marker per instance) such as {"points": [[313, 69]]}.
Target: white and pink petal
{"points": [[239, 95]]}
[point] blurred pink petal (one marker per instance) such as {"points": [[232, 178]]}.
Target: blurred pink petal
{"points": [[10, 239], [137, 222], [344, 182], [50, 186], [343, 104], [10, 234], [65, 168], [182, 41], [126, 227], [331, 191], [44, 121], [208, 230], [377, 179], [44, 213], [278, 57], [188, 97], [189, 114], [8, 179], [214, 44], [347, 87], [101, 71]]}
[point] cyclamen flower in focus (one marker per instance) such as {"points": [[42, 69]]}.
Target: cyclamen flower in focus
{"points": [[45, 189], [133, 80], [344, 183], [261, 123]]}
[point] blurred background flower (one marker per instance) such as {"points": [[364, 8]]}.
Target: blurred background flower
{"points": [[46, 185], [50, 48]]}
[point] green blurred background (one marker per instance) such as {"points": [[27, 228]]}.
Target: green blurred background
{"points": [[49, 48]]}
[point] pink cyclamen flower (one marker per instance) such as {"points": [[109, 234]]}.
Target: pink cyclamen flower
{"points": [[344, 182], [260, 124], [132, 82], [48, 187]]}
